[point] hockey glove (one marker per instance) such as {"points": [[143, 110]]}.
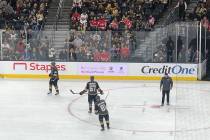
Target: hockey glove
{"points": [[82, 92], [101, 91], [96, 112]]}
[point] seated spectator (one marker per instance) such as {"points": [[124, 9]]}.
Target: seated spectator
{"points": [[114, 25], [124, 53], [115, 15], [105, 56], [96, 56], [72, 55]]}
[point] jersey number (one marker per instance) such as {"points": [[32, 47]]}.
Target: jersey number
{"points": [[92, 89], [103, 107]]}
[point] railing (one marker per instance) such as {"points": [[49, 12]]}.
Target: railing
{"points": [[172, 17], [57, 17]]}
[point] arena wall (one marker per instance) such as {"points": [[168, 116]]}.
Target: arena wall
{"points": [[103, 71]]}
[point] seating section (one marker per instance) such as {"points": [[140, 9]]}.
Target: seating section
{"points": [[20, 14], [116, 14]]}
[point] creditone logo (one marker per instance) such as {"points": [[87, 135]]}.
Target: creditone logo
{"points": [[36, 66], [177, 69]]}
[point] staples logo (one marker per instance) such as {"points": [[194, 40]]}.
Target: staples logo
{"points": [[20, 64], [36, 66]]}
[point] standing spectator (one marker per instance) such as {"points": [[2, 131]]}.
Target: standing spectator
{"points": [[52, 54], [166, 85], [179, 47], [77, 42], [182, 7], [169, 49], [83, 20]]}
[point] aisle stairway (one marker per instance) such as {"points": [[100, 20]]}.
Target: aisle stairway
{"points": [[62, 28]]}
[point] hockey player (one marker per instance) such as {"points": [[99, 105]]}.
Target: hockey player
{"points": [[102, 112], [92, 88], [166, 84], [54, 77]]}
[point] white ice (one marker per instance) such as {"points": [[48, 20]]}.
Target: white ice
{"points": [[28, 113]]}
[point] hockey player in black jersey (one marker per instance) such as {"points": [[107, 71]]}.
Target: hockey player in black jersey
{"points": [[102, 112], [92, 88], [54, 77]]}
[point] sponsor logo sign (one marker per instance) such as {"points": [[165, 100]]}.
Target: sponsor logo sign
{"points": [[36, 66], [172, 69], [112, 69]]}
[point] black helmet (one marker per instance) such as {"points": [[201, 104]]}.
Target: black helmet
{"points": [[53, 63], [91, 78], [97, 98]]}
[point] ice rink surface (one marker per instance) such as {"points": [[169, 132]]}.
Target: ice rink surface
{"points": [[28, 113]]}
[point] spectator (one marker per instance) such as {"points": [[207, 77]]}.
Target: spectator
{"points": [[182, 7], [169, 49], [151, 21], [77, 42], [83, 20], [72, 55], [105, 57], [124, 53], [63, 55], [96, 56], [205, 23], [20, 48], [52, 54], [179, 47], [200, 11]]}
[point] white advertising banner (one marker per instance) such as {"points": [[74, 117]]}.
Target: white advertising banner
{"points": [[25, 67], [158, 69], [110, 69], [101, 69]]}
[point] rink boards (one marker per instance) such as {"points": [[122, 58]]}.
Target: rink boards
{"points": [[103, 71]]}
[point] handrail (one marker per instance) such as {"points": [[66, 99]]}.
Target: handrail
{"points": [[57, 17], [171, 17]]}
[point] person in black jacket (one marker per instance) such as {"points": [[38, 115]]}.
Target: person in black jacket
{"points": [[54, 77], [166, 85], [102, 112], [170, 48], [92, 88]]}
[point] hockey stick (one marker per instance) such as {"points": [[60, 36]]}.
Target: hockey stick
{"points": [[73, 92], [83, 93]]}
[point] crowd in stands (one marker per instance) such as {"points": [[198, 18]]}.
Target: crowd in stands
{"points": [[21, 20], [201, 13], [14, 14], [102, 30], [18, 45], [116, 15], [98, 46]]}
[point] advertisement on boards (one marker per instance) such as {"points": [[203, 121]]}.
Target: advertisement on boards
{"points": [[158, 69], [113, 69], [25, 67]]}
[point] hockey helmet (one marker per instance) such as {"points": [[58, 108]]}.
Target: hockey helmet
{"points": [[91, 78], [97, 98], [53, 63]]}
